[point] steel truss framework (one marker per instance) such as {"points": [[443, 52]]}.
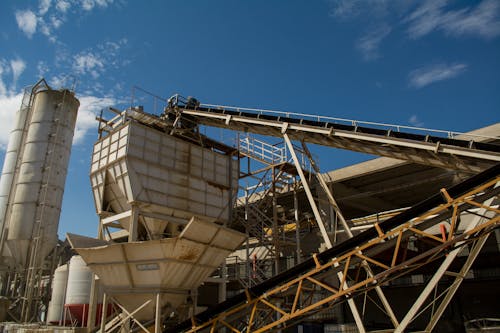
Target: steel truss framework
{"points": [[378, 139], [471, 216], [271, 170]]}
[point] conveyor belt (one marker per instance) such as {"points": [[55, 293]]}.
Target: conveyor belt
{"points": [[444, 152], [339, 250]]}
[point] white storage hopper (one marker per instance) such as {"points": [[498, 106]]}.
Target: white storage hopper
{"points": [[166, 179], [135, 272]]}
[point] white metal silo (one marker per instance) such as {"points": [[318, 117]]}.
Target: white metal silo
{"points": [[11, 157], [57, 300], [35, 202]]}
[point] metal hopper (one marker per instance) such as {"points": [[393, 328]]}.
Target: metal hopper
{"points": [[133, 273], [143, 173]]}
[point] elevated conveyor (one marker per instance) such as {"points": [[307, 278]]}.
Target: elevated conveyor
{"points": [[441, 149], [471, 210]]}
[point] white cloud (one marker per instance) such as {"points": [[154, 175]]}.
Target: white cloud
{"points": [[87, 4], [103, 3], [96, 61], [60, 81], [55, 22], [42, 68], [10, 104], [90, 106], [18, 66], [344, 8], [415, 121], [369, 43], [14, 67], [88, 63], [426, 75], [483, 20], [26, 21], [44, 6], [348, 9], [90, 4], [46, 28], [62, 6], [47, 21], [9, 100], [3, 69]]}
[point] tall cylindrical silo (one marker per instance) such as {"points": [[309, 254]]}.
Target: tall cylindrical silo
{"points": [[36, 202], [57, 300], [11, 157]]}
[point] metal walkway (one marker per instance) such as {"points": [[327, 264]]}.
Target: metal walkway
{"points": [[424, 146], [468, 206]]}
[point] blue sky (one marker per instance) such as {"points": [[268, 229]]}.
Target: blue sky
{"points": [[428, 63]]}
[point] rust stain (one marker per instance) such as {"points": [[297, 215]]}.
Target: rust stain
{"points": [[190, 254], [217, 185]]}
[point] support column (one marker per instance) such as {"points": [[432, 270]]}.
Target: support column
{"points": [[474, 252], [276, 243], [297, 227], [350, 301], [222, 291], [92, 304], [340, 216], [308, 192], [134, 222], [412, 312], [158, 314], [104, 312]]}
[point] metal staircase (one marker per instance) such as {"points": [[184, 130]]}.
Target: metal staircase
{"points": [[272, 173]]}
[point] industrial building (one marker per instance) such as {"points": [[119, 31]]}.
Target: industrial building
{"points": [[197, 234]]}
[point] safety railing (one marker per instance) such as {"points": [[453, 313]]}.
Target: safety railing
{"points": [[352, 122]]}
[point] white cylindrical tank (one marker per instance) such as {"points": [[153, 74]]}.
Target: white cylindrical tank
{"points": [[11, 156], [57, 300], [36, 201], [78, 288]]}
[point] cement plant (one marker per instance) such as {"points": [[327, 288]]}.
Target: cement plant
{"points": [[246, 234]]}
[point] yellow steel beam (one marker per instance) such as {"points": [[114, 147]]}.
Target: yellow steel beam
{"points": [[299, 286]]}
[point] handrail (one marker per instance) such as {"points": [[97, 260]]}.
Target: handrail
{"points": [[352, 122]]}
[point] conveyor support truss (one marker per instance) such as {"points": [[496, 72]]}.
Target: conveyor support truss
{"points": [[424, 146], [261, 308]]}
